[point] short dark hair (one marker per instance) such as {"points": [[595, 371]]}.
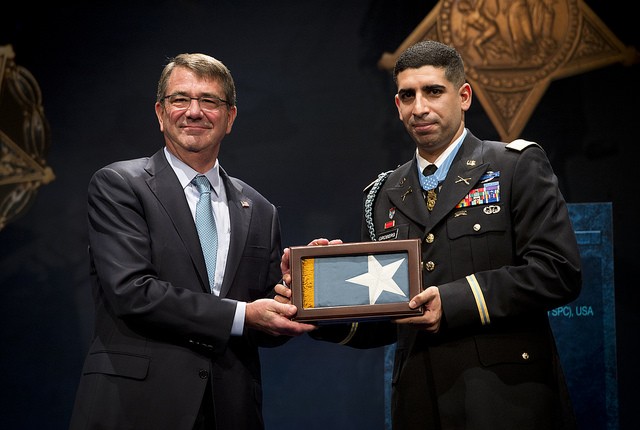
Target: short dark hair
{"points": [[432, 53], [203, 66]]}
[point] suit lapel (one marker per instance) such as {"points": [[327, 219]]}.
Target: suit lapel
{"points": [[463, 175], [240, 210], [406, 193], [164, 184]]}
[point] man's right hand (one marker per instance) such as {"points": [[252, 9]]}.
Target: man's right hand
{"points": [[273, 317]]}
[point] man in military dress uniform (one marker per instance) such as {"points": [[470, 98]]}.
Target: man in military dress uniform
{"points": [[498, 252]]}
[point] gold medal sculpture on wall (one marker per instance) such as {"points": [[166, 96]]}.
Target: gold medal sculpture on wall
{"points": [[24, 139], [513, 49]]}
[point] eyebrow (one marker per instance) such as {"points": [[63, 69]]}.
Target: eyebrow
{"points": [[186, 94], [426, 88], [433, 87]]}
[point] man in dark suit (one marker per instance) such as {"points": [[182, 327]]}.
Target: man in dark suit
{"points": [[498, 251], [176, 347]]}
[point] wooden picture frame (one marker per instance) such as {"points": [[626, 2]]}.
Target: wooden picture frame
{"points": [[387, 273]]}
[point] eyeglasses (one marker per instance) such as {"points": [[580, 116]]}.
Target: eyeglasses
{"points": [[206, 103]]}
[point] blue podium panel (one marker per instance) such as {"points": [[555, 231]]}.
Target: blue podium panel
{"points": [[584, 329]]}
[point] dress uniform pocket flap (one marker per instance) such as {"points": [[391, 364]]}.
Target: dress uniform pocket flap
{"points": [[476, 220], [117, 364], [506, 349]]}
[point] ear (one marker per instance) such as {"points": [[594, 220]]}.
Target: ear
{"points": [[232, 112], [159, 113], [396, 99], [465, 93]]}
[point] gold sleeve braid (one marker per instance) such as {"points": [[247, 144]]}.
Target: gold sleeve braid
{"points": [[479, 297], [352, 332]]}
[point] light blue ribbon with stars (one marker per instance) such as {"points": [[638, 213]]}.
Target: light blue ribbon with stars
{"points": [[430, 182]]}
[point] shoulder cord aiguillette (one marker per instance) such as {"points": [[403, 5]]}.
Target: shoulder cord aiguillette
{"points": [[368, 203]]}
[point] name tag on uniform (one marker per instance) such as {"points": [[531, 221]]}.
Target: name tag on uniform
{"points": [[388, 235]]}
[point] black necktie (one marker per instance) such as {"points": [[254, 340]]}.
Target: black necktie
{"points": [[430, 170]]}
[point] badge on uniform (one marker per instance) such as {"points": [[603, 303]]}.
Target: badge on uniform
{"points": [[391, 223], [487, 193], [489, 176]]}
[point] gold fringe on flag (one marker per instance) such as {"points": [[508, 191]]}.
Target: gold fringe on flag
{"points": [[308, 296]]}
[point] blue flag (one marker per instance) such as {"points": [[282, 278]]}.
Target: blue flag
{"points": [[356, 280]]}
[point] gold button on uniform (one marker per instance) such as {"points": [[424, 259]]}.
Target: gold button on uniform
{"points": [[525, 355], [476, 227], [430, 238], [429, 266]]}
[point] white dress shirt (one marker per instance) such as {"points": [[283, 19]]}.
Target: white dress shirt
{"points": [[220, 207]]}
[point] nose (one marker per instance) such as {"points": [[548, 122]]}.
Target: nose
{"points": [[194, 111], [420, 105]]}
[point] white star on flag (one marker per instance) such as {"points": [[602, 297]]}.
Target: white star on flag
{"points": [[379, 278]]}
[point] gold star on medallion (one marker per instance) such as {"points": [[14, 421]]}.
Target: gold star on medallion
{"points": [[513, 49]]}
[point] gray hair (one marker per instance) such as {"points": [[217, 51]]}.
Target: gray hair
{"points": [[203, 66]]}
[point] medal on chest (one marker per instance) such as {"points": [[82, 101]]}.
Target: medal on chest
{"points": [[431, 199]]}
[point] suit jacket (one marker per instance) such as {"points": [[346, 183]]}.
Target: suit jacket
{"points": [[159, 336], [500, 266]]}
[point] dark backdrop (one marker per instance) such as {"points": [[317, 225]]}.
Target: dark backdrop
{"points": [[316, 124]]}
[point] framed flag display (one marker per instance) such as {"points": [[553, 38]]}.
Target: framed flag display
{"points": [[355, 281]]}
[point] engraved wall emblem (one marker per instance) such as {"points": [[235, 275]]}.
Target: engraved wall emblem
{"points": [[513, 49], [24, 138]]}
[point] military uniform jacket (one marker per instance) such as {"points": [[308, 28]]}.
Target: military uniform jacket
{"points": [[500, 264]]}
